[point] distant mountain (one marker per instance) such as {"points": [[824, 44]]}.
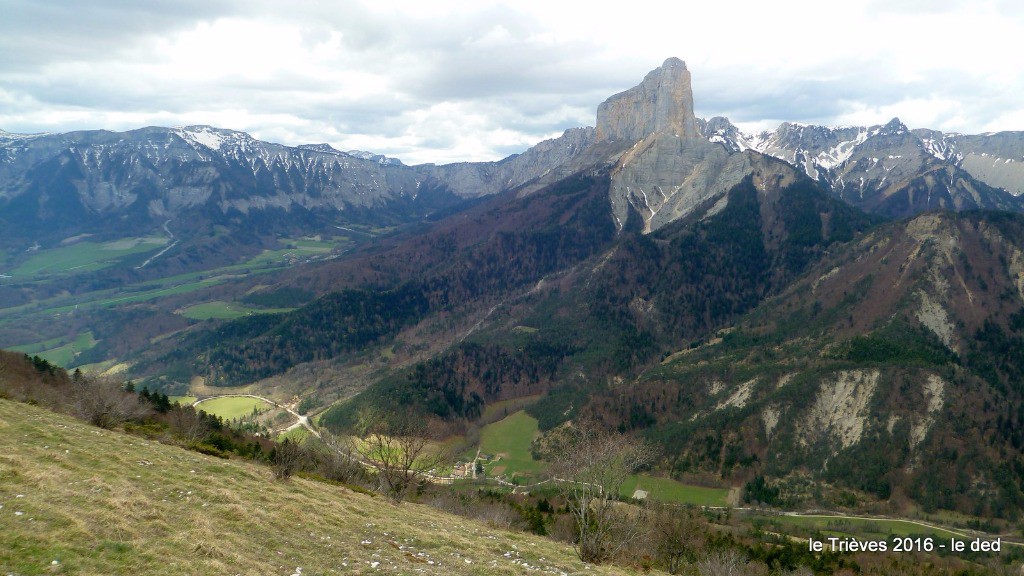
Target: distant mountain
{"points": [[892, 170], [115, 184], [59, 186], [112, 184]]}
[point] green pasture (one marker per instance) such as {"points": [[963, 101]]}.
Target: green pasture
{"points": [[297, 435], [59, 351], [507, 441], [668, 490], [183, 400], [231, 407], [265, 262], [85, 256]]}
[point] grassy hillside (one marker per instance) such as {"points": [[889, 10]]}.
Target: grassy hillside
{"points": [[79, 500]]}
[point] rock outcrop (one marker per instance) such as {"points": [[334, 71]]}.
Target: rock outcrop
{"points": [[670, 169], [662, 103]]}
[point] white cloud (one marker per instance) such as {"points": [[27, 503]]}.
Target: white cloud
{"points": [[453, 80]]}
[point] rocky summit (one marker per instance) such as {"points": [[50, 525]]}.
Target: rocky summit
{"points": [[661, 104]]}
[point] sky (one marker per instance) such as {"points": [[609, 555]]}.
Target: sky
{"points": [[445, 81]]}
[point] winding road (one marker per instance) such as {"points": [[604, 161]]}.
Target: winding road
{"points": [[300, 420], [170, 235]]}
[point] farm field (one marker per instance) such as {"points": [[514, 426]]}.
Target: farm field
{"points": [[183, 400], [85, 256], [267, 261], [297, 435], [508, 442], [41, 269], [230, 407], [668, 490], [511, 437], [54, 352]]}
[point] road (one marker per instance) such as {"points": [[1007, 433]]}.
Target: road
{"points": [[170, 236], [300, 420]]}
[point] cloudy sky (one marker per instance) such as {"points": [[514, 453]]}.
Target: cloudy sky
{"points": [[444, 81]]}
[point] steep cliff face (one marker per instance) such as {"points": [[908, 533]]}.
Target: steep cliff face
{"points": [[664, 178], [669, 169], [995, 159], [662, 103]]}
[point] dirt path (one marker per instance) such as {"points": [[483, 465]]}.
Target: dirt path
{"points": [[300, 420]]}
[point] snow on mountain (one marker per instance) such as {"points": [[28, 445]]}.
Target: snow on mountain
{"points": [[378, 158], [10, 136], [997, 159], [202, 135]]}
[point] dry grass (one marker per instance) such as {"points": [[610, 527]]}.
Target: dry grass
{"points": [[100, 502]]}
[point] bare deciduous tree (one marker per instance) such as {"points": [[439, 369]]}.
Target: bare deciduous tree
{"points": [[725, 562], [287, 458], [592, 464], [678, 535], [401, 455], [104, 402], [188, 424], [337, 459]]}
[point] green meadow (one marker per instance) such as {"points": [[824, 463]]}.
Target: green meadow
{"points": [[85, 256], [668, 490], [848, 526], [230, 407], [507, 441], [183, 400], [59, 351]]}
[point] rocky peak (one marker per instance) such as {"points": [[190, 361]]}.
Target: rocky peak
{"points": [[894, 127], [662, 103], [322, 148]]}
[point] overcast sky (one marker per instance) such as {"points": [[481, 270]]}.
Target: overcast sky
{"points": [[444, 81]]}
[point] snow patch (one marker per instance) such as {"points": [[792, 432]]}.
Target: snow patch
{"points": [[203, 135]]}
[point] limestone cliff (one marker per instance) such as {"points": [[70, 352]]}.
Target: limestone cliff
{"points": [[670, 169], [662, 103]]}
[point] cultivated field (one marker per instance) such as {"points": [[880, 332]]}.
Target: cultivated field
{"points": [[231, 407], [669, 490], [57, 350], [85, 256], [507, 441]]}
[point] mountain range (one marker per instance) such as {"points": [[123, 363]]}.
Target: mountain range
{"points": [[810, 304], [58, 186]]}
